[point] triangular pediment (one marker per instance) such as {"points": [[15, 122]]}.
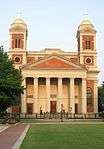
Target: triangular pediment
{"points": [[54, 62]]}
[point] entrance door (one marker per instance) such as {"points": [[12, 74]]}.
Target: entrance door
{"points": [[76, 108], [53, 106], [29, 108]]}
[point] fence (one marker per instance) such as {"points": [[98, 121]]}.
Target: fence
{"points": [[60, 115], [15, 117]]}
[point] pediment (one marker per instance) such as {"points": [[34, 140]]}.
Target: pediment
{"points": [[54, 62]]}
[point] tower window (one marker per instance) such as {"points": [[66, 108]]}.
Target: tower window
{"points": [[88, 42], [17, 43]]}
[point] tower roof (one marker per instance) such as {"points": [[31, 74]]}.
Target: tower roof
{"points": [[18, 23], [86, 23]]}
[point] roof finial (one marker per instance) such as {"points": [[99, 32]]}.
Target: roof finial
{"points": [[86, 16], [19, 14]]}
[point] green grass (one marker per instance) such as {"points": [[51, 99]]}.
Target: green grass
{"points": [[57, 136]]}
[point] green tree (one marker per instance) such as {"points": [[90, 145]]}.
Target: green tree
{"points": [[10, 82], [101, 98]]}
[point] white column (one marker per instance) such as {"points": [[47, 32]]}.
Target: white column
{"points": [[59, 94], [60, 88], [95, 96], [84, 99], [48, 94], [23, 98], [72, 96], [35, 109]]}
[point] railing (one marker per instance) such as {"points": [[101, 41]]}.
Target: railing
{"points": [[10, 118], [15, 117], [60, 115]]}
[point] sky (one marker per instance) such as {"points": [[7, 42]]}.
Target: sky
{"points": [[54, 23]]}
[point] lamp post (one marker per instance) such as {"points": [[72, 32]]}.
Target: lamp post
{"points": [[62, 112]]}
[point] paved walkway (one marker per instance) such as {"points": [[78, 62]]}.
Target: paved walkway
{"points": [[3, 127], [9, 136]]}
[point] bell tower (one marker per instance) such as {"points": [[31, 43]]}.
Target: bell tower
{"points": [[86, 38], [18, 42]]}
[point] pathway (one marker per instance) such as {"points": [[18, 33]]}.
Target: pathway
{"points": [[9, 136]]}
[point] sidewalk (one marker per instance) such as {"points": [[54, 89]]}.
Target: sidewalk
{"points": [[9, 136], [3, 127]]}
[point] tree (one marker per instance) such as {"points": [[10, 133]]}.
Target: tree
{"points": [[101, 98], [10, 82]]}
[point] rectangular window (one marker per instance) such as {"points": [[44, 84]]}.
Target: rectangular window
{"points": [[17, 43], [88, 42]]}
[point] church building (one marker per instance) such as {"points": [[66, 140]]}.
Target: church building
{"points": [[54, 79]]}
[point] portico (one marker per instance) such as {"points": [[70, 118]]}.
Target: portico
{"points": [[51, 93], [49, 87]]}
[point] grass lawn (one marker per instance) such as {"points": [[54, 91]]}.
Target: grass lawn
{"points": [[64, 136]]}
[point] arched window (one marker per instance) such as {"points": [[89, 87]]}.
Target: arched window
{"points": [[89, 96]]}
